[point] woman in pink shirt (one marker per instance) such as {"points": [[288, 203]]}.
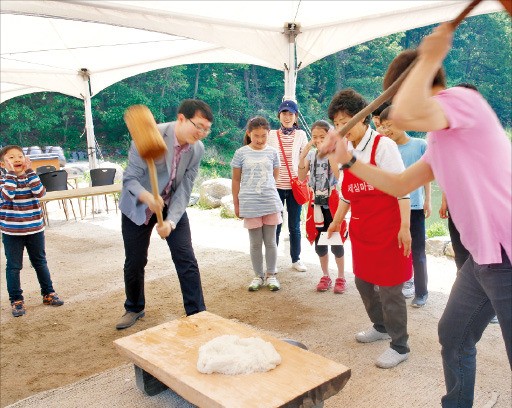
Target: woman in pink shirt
{"points": [[469, 155]]}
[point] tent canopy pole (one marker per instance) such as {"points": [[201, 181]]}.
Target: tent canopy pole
{"points": [[291, 30], [89, 126]]}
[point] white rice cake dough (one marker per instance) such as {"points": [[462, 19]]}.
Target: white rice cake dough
{"points": [[232, 355]]}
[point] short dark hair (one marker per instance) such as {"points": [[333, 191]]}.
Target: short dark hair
{"points": [[349, 102], [255, 123], [384, 115], [400, 64], [189, 107], [378, 111], [5, 149], [467, 85]]}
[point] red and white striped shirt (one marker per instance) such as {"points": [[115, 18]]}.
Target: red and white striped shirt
{"points": [[283, 180]]}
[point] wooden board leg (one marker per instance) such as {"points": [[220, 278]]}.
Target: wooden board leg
{"points": [[315, 398], [147, 383]]}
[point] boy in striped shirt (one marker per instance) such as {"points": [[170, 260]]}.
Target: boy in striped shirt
{"points": [[21, 224]]}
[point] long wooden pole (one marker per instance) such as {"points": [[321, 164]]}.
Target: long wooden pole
{"points": [[154, 188], [393, 88]]}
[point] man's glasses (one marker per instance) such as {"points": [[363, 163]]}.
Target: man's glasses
{"points": [[201, 129]]}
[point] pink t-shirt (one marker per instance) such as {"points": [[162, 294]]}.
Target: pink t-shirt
{"points": [[471, 161]]}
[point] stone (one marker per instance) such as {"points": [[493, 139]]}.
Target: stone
{"points": [[437, 246], [449, 250], [212, 191], [227, 207], [194, 198]]}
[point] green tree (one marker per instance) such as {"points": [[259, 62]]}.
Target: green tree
{"points": [[481, 55]]}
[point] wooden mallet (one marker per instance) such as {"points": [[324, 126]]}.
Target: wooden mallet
{"points": [[148, 141], [393, 88]]}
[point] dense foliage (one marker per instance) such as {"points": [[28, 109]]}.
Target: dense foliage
{"points": [[481, 55]]}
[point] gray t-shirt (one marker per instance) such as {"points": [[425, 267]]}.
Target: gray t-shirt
{"points": [[258, 192], [321, 175]]}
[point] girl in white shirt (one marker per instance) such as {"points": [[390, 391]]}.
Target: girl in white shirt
{"points": [[255, 168]]}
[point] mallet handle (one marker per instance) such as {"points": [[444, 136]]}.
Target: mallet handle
{"points": [[455, 22], [507, 5], [154, 187], [393, 88]]}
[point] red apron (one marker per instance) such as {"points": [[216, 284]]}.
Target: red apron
{"points": [[373, 231]]}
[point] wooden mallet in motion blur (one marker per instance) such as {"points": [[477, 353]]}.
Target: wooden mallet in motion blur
{"points": [[393, 88], [148, 141]]}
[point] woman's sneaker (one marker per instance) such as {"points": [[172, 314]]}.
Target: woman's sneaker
{"points": [[340, 285], [299, 266], [52, 299], [324, 284], [370, 335], [408, 289], [273, 283], [256, 284], [18, 308]]}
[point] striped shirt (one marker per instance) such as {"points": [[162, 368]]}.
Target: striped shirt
{"points": [[293, 145], [258, 194], [283, 180], [20, 211]]}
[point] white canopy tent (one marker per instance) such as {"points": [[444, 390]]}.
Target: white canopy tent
{"points": [[79, 48]]}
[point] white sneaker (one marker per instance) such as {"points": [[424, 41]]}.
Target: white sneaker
{"points": [[256, 284], [299, 266], [273, 283], [408, 290], [390, 358], [371, 335]]}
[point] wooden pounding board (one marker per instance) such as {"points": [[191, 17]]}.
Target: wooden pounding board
{"points": [[170, 351]]}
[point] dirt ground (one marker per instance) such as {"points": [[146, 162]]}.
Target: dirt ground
{"points": [[51, 347]]}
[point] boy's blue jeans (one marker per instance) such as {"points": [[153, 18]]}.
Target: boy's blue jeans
{"points": [[13, 247], [419, 256], [478, 291], [294, 210]]}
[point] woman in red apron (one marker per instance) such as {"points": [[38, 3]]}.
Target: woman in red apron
{"points": [[378, 231]]}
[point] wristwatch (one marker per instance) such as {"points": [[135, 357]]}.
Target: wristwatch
{"points": [[349, 164]]}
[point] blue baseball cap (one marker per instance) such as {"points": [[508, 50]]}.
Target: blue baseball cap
{"points": [[289, 106]]}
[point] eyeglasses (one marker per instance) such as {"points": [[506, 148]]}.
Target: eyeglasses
{"points": [[201, 129]]}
